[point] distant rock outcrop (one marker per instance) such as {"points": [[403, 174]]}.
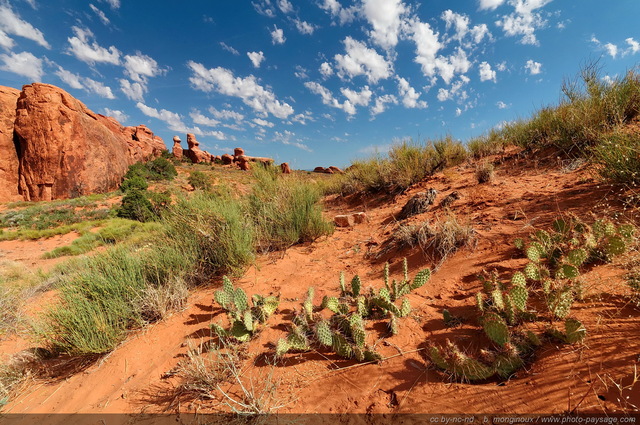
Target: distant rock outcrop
{"points": [[285, 168], [66, 150], [9, 162], [328, 170], [195, 154], [177, 150], [53, 147], [226, 159]]}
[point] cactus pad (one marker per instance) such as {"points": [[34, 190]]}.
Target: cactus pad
{"points": [[559, 302], [518, 279], [323, 333], [574, 330], [577, 257], [532, 272], [420, 279], [506, 364], [331, 303], [356, 284], [405, 308], [495, 328], [534, 253], [341, 346], [496, 298], [519, 295]]}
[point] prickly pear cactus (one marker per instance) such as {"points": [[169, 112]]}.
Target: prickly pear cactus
{"points": [[495, 328], [519, 295], [574, 331]]}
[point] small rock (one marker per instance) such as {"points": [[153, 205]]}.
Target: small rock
{"points": [[344, 220], [359, 217]]}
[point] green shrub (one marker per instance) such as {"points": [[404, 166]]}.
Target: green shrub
{"points": [[136, 206], [161, 169], [199, 180], [134, 183], [158, 169]]}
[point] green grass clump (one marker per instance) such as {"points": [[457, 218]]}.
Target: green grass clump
{"points": [[43, 216], [407, 163], [618, 158], [115, 230], [214, 231], [285, 211], [199, 180]]}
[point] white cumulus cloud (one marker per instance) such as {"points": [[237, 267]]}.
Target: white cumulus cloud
{"points": [[326, 70], [248, 89], [134, 91], [85, 48], [82, 83], [12, 24], [533, 67], [120, 116], [490, 4], [385, 16], [361, 60], [304, 27], [256, 58], [524, 20], [611, 49], [25, 64], [486, 73], [277, 36], [409, 95]]}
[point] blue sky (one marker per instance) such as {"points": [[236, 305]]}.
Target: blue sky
{"points": [[315, 82]]}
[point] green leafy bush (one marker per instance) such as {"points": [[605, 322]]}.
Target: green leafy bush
{"points": [[134, 183], [136, 206]]}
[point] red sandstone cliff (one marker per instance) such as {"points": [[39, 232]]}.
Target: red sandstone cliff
{"points": [[63, 149]]}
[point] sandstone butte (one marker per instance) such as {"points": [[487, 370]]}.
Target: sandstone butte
{"points": [[53, 147]]}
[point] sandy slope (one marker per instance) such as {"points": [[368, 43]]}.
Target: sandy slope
{"points": [[561, 379]]}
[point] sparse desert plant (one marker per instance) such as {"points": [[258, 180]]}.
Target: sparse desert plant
{"points": [[199, 180], [556, 258], [344, 332], [244, 317], [489, 144], [406, 164], [485, 172], [618, 157], [447, 236], [214, 232]]}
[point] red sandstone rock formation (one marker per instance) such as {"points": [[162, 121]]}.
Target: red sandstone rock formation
{"points": [[177, 150], [194, 153], [226, 159], [66, 150], [8, 154], [319, 170], [238, 152], [335, 170], [285, 168], [243, 163]]}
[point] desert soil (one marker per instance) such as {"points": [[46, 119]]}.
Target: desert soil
{"points": [[595, 377]]}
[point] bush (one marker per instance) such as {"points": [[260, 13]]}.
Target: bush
{"points": [[213, 231], [158, 169], [162, 169], [136, 206], [134, 183], [199, 180]]}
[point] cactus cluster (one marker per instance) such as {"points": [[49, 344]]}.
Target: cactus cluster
{"points": [[244, 318], [344, 331], [503, 362], [574, 331], [504, 300]]}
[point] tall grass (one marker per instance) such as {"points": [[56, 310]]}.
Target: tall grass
{"points": [[285, 211], [213, 230], [406, 164], [104, 296]]}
